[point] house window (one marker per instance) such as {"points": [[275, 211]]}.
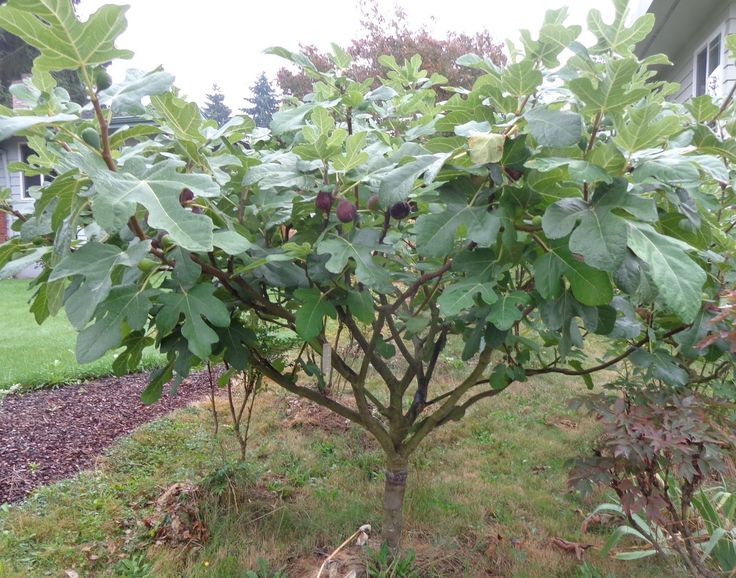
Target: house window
{"points": [[707, 60], [28, 181]]}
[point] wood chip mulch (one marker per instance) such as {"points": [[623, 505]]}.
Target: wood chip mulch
{"points": [[49, 435]]}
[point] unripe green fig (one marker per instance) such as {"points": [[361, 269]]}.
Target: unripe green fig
{"points": [[103, 80], [91, 137], [374, 203], [400, 210], [346, 211], [147, 265], [323, 201], [537, 220]]}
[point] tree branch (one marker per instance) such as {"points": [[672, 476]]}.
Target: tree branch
{"points": [[414, 287], [606, 364], [265, 367], [447, 408], [420, 397], [594, 131], [715, 375], [383, 370]]}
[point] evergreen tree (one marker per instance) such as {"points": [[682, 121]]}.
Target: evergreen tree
{"points": [[263, 101], [215, 106], [16, 59]]}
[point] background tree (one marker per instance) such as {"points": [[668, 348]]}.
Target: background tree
{"points": [[215, 107], [16, 60], [518, 219], [263, 101], [394, 36]]}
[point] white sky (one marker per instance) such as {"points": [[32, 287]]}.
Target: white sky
{"points": [[222, 41]]}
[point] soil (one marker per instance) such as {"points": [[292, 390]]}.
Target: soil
{"points": [[49, 435], [304, 414]]}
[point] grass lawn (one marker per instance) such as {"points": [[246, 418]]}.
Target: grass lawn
{"points": [[39, 355], [486, 495]]}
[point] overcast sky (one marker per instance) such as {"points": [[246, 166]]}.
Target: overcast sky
{"points": [[222, 41]]}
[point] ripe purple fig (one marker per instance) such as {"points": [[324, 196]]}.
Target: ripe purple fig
{"points": [[347, 211], [323, 201], [186, 196], [374, 203], [400, 210], [513, 174]]}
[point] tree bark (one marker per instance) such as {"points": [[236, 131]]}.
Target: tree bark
{"points": [[393, 500]]}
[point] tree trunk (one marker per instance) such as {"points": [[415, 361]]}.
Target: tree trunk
{"points": [[393, 500]]}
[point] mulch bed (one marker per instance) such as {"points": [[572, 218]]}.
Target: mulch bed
{"points": [[50, 435]]}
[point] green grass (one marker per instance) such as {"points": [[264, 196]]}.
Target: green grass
{"points": [[40, 355], [485, 497]]}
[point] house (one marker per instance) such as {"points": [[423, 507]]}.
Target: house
{"points": [[15, 149], [692, 34]]}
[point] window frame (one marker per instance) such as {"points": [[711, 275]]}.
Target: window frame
{"points": [[720, 30]]}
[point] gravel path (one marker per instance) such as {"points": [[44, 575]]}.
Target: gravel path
{"points": [[50, 435]]}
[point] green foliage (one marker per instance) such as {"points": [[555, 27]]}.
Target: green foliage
{"points": [[717, 508], [191, 227], [382, 564], [16, 61], [62, 40], [135, 567]]}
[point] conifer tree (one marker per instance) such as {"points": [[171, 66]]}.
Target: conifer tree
{"points": [[215, 107], [263, 101]]}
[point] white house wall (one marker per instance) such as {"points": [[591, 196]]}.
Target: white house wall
{"points": [[723, 20], [11, 147]]}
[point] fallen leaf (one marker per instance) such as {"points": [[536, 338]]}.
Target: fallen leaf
{"points": [[571, 547], [70, 574]]}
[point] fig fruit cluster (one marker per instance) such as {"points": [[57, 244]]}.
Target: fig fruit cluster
{"points": [[346, 210]]}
